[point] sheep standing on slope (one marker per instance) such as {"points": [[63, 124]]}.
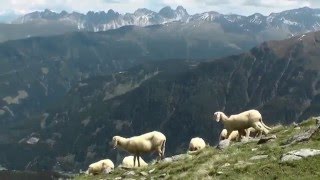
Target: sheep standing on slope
{"points": [[196, 144], [242, 121], [145, 143], [105, 165], [127, 162]]}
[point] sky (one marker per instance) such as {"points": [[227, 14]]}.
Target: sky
{"points": [[243, 7]]}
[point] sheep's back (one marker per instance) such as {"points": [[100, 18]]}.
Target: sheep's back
{"points": [[236, 124], [197, 143], [139, 145], [155, 137], [251, 115], [128, 162], [107, 162], [95, 167]]}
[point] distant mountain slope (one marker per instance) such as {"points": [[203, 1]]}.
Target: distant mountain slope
{"points": [[37, 71], [280, 78], [22, 31]]}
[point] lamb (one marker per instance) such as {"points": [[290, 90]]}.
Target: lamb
{"points": [[242, 121], [105, 165], [233, 135], [127, 162], [196, 144], [145, 143], [251, 132]]}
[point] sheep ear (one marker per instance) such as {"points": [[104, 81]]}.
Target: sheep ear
{"points": [[217, 115], [115, 143]]}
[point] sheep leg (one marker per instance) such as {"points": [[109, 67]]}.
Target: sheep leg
{"points": [[264, 125], [247, 133], [260, 134], [138, 160], [134, 160], [161, 150], [241, 132], [159, 154], [259, 127]]}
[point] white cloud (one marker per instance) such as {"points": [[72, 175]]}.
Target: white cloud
{"points": [[245, 7], [276, 3]]}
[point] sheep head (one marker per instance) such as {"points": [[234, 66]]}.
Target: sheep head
{"points": [[115, 140], [217, 116]]}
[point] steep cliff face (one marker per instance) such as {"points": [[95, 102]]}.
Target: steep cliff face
{"points": [[279, 78]]}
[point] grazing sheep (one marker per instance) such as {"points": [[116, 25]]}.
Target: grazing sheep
{"points": [[242, 121], [145, 143], [233, 135], [251, 132], [127, 162], [105, 165], [196, 144]]}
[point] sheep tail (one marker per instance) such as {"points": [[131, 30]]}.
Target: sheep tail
{"points": [[163, 148]]}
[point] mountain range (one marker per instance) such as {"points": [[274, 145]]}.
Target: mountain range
{"points": [[294, 21], [272, 27]]}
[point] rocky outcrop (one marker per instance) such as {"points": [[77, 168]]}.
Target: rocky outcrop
{"points": [[265, 139], [299, 154], [176, 158], [305, 136]]}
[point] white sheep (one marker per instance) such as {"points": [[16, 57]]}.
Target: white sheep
{"points": [[196, 144], [251, 132], [242, 121], [145, 143], [127, 162], [233, 135], [105, 165]]}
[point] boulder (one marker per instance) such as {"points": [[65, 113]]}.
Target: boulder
{"points": [[223, 144]]}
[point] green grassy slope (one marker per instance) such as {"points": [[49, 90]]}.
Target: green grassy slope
{"points": [[235, 162]]}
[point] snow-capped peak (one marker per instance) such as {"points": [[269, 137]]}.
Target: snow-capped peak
{"points": [[101, 21]]}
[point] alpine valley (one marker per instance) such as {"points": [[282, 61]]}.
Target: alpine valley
{"points": [[64, 96]]}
